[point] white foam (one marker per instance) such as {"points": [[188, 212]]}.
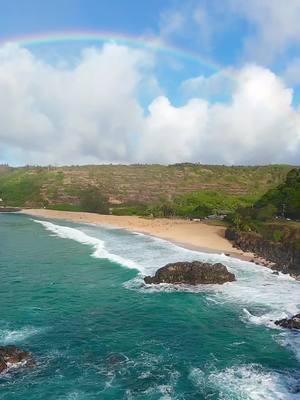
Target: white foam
{"points": [[14, 336], [266, 319], [255, 285], [246, 382], [77, 235], [262, 294], [286, 338], [286, 277]]}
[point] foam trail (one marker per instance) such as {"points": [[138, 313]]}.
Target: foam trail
{"points": [[8, 336], [66, 232]]}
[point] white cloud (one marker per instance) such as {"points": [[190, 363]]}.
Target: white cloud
{"points": [[84, 112], [273, 25], [219, 84], [259, 125], [173, 134], [90, 112], [189, 20], [276, 24]]}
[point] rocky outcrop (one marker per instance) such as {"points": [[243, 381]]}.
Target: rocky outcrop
{"points": [[286, 257], [290, 323], [191, 273], [12, 356]]}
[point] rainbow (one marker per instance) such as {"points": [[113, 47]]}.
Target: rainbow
{"points": [[48, 38]]}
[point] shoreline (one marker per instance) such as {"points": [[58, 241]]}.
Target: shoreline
{"points": [[191, 235]]}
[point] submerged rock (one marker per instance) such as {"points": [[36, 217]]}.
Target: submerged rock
{"points": [[192, 273], [116, 359], [290, 323], [12, 356]]}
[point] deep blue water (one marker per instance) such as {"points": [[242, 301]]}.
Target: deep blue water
{"points": [[73, 295]]}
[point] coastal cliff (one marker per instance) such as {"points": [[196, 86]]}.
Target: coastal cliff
{"points": [[286, 256]]}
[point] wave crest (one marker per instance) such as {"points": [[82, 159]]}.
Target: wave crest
{"points": [[65, 232]]}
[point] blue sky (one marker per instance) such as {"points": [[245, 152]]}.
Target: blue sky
{"points": [[228, 31], [246, 63]]}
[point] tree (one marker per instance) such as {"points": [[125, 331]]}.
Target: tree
{"points": [[266, 213], [92, 200]]}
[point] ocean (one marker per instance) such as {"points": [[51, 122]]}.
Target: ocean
{"points": [[73, 295]]}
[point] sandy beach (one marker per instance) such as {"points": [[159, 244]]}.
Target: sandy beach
{"points": [[190, 234]]}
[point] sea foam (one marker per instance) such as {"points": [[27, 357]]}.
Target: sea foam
{"points": [[260, 296], [77, 235], [10, 336], [255, 285], [246, 382]]}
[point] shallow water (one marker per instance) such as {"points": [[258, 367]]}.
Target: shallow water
{"points": [[74, 296]]}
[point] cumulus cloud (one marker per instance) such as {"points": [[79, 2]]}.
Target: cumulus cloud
{"points": [[85, 112], [258, 125], [91, 112]]}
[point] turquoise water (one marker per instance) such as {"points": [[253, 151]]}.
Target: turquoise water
{"points": [[73, 295]]}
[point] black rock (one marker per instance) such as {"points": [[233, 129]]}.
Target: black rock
{"points": [[290, 323], [3, 365], [191, 273], [285, 256], [11, 356]]}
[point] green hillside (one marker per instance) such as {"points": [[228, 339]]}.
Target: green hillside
{"points": [[129, 189], [271, 227], [276, 215], [285, 198]]}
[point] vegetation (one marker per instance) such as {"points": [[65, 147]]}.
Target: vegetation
{"points": [[92, 200], [200, 205], [17, 189], [186, 190], [284, 199], [276, 215]]}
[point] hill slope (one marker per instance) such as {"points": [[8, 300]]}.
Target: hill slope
{"points": [[124, 185]]}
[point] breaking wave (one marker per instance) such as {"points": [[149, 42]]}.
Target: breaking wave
{"points": [[66, 232]]}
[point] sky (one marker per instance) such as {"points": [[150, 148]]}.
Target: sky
{"points": [[129, 81]]}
